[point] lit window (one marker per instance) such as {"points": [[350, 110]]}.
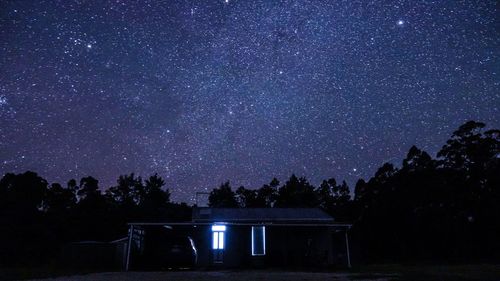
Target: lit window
{"points": [[258, 240], [218, 240], [218, 227], [218, 237]]}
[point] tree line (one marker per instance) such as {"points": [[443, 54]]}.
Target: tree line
{"points": [[442, 208], [37, 219]]}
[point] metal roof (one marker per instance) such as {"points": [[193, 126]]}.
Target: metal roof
{"points": [[304, 215]]}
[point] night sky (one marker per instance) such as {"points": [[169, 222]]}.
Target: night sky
{"points": [[207, 91]]}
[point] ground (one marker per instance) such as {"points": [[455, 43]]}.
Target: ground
{"points": [[366, 273], [218, 276]]}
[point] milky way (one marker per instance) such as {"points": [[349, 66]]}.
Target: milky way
{"points": [[208, 91]]}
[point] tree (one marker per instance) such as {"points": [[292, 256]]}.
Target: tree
{"points": [[222, 197], [325, 193], [128, 192], [23, 193], [154, 200], [335, 199], [92, 215], [89, 187], [154, 189], [246, 198], [59, 199], [417, 159], [73, 187], [469, 148], [297, 192], [267, 194], [21, 219]]}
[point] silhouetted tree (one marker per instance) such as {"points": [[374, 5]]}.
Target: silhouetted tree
{"points": [[88, 188], [154, 200], [128, 192], [417, 159], [325, 193], [297, 192], [267, 194], [92, 217], [222, 197], [59, 200], [467, 147], [335, 199], [246, 198], [432, 209], [22, 224], [23, 193]]}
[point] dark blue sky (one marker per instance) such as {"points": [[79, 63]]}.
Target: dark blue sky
{"points": [[207, 91]]}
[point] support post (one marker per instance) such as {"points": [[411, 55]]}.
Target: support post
{"points": [[129, 246], [347, 249]]}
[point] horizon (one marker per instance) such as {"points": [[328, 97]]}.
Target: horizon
{"points": [[192, 200]]}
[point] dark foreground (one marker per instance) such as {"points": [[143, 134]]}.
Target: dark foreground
{"points": [[368, 273]]}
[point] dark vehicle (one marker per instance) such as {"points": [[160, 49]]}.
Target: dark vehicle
{"points": [[181, 253], [163, 249]]}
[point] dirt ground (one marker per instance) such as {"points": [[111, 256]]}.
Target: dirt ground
{"points": [[222, 275], [388, 272]]}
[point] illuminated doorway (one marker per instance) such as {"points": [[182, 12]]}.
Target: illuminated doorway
{"points": [[218, 241]]}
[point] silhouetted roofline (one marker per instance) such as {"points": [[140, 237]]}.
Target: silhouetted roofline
{"points": [[277, 215], [342, 225]]}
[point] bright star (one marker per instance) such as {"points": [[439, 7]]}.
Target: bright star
{"points": [[401, 22]]}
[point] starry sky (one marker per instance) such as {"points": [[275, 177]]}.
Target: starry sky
{"points": [[207, 91]]}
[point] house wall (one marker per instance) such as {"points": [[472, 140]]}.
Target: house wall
{"points": [[285, 247], [237, 246], [298, 246]]}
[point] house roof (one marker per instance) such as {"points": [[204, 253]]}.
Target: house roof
{"points": [[277, 215]]}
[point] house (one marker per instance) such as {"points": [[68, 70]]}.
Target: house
{"points": [[245, 237]]}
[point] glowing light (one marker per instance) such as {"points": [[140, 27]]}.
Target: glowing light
{"points": [[258, 240], [218, 236], [221, 240], [217, 227]]}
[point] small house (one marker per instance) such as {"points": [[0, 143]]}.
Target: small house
{"points": [[242, 238]]}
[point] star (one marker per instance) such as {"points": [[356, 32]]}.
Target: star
{"points": [[238, 91]]}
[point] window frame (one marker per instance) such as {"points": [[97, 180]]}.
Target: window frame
{"points": [[263, 240]]}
